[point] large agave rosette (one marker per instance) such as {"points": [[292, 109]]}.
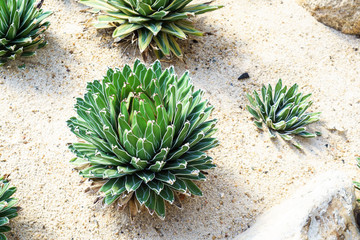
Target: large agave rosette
{"points": [[156, 23], [146, 132]]}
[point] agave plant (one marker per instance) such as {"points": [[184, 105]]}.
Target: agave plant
{"points": [[283, 111], [21, 28], [7, 206], [157, 23], [146, 131]]}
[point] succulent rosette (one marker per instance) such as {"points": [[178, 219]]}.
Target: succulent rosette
{"points": [[283, 111], [146, 134], [21, 28], [156, 23]]}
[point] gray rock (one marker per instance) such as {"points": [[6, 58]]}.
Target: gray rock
{"points": [[343, 15], [322, 209]]}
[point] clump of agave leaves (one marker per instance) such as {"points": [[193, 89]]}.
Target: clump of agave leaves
{"points": [[283, 111], [146, 133], [21, 28], [8, 210], [156, 23]]}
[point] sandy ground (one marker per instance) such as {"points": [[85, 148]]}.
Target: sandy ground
{"points": [[268, 39]]}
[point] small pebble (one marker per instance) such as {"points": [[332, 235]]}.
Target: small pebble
{"points": [[244, 76]]}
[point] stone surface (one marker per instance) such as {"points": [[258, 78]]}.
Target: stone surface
{"points": [[322, 209], [343, 15]]}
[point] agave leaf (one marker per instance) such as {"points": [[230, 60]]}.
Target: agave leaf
{"points": [[188, 28], [178, 164], [156, 186], [160, 207], [157, 166], [253, 112], [307, 134], [144, 8], [144, 39], [125, 29], [154, 27], [174, 46], [199, 8], [193, 189], [178, 16], [179, 185], [142, 194], [98, 4], [167, 194], [166, 177], [147, 176], [132, 183], [173, 29]]}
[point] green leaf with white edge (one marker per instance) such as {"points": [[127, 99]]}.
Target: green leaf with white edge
{"points": [[193, 189], [138, 163], [157, 166], [125, 29], [188, 28], [307, 134], [151, 202], [132, 183], [173, 29], [108, 186], [142, 194], [166, 177], [174, 47], [154, 27], [178, 164], [147, 176], [109, 199], [200, 8], [4, 220], [156, 186], [144, 38], [160, 207], [253, 112], [98, 4], [162, 42], [179, 185], [158, 15], [161, 156], [167, 194], [119, 186]]}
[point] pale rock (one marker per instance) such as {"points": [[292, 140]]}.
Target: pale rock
{"points": [[343, 15], [322, 209]]}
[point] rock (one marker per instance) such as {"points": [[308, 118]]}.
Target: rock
{"points": [[343, 15], [322, 209], [244, 76]]}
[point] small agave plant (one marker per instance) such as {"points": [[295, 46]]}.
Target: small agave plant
{"points": [[157, 23], [146, 133], [8, 209], [21, 28], [283, 111]]}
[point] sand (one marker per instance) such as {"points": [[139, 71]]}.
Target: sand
{"points": [[268, 39]]}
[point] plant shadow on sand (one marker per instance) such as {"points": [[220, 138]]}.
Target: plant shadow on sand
{"points": [[17, 232], [42, 73]]}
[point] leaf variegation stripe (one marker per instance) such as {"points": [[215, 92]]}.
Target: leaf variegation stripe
{"points": [[125, 29], [145, 37], [173, 29]]}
